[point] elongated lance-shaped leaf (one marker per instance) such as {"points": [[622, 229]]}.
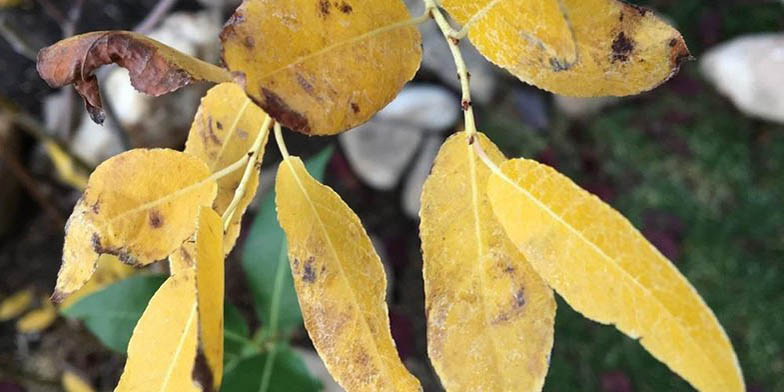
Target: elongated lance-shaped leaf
{"points": [[319, 66], [224, 130], [574, 47], [209, 290], [605, 269], [489, 314], [139, 206], [340, 284], [162, 350]]}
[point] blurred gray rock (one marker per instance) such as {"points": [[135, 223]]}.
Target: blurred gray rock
{"points": [[379, 151], [412, 190], [577, 108], [425, 106], [750, 71]]}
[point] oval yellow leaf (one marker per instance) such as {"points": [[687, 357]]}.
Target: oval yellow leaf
{"points": [[139, 206], [605, 269], [38, 319], [209, 290], [322, 66], [15, 304], [223, 131], [574, 47], [340, 283], [162, 350], [489, 315]]}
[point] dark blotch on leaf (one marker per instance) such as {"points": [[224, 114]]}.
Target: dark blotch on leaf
{"points": [[354, 107], [324, 7], [280, 111], [622, 47], [202, 373], [519, 298], [156, 219], [345, 8], [308, 272]]}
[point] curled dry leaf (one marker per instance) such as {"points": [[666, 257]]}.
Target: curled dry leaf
{"points": [[490, 316], [319, 66], [224, 130], [154, 68], [574, 47], [139, 206], [162, 350], [340, 283], [604, 268]]}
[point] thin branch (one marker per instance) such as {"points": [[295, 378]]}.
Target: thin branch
{"points": [[156, 14]]}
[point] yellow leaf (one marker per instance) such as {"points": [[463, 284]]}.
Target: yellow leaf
{"points": [[489, 315], [321, 66], [39, 319], [15, 304], [66, 168], [162, 350], [223, 131], [155, 69], [574, 47], [209, 289], [340, 284], [605, 269], [139, 206], [73, 383], [108, 270]]}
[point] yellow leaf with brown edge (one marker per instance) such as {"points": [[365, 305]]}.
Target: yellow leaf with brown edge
{"points": [[108, 270], [319, 66], [489, 315], [574, 47], [38, 319], [71, 382], [162, 349], [139, 206], [605, 269], [340, 283], [155, 69], [15, 304], [223, 131]]}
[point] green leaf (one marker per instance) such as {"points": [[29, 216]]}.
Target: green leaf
{"points": [[286, 372], [266, 262], [236, 334], [112, 313]]}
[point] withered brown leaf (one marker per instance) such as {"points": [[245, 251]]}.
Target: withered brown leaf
{"points": [[155, 69]]}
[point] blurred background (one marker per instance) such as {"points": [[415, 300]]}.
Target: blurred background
{"points": [[697, 165]]}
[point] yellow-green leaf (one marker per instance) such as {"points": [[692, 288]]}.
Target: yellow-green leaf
{"points": [[209, 290], [574, 47], [489, 315], [162, 350], [224, 130], [139, 206], [15, 304], [605, 269], [38, 319], [340, 284], [322, 66]]}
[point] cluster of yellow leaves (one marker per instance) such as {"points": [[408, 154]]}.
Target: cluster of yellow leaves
{"points": [[36, 319], [496, 241], [146, 205]]}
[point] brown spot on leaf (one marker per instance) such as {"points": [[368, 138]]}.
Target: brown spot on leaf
{"points": [[280, 111], [354, 107], [219, 125], [209, 133], [324, 6], [96, 207], [249, 42], [120, 253], [305, 84], [622, 47], [345, 8], [73, 61], [519, 298], [640, 10], [202, 373], [308, 272], [558, 65], [57, 297], [156, 219]]}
